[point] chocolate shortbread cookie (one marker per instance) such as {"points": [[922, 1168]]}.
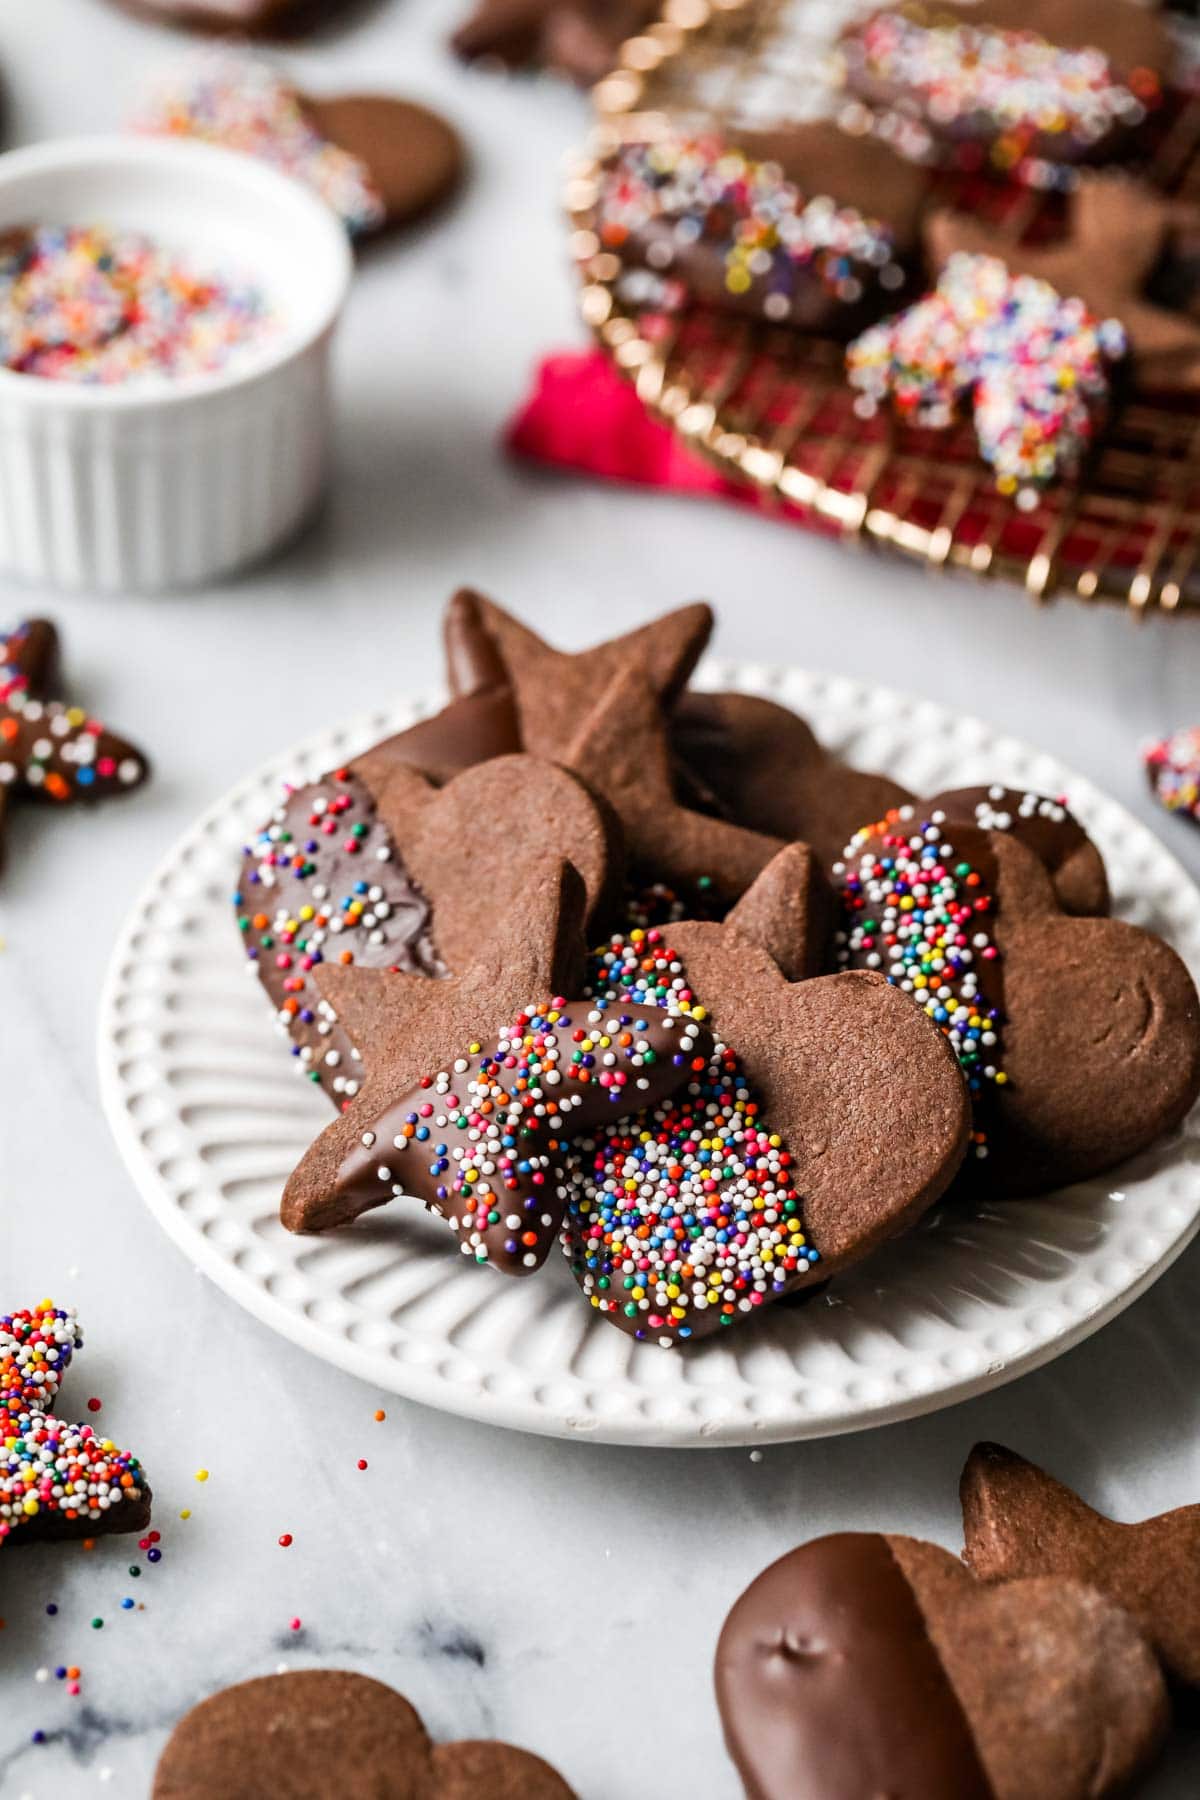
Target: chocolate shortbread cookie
{"points": [[1019, 1522], [324, 879], [1080, 1037], [868, 1664], [315, 1732], [50, 749], [579, 38], [476, 1083], [827, 1118], [1001, 84], [57, 1480], [378, 160], [759, 763], [805, 225]]}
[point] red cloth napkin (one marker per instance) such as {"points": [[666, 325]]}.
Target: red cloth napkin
{"points": [[583, 415]]}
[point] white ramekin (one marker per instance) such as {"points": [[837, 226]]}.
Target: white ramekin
{"points": [[168, 485]]}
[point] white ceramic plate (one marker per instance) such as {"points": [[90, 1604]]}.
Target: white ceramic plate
{"points": [[210, 1116]]}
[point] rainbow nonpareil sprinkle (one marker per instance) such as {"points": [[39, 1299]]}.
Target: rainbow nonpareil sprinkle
{"points": [[684, 1218], [241, 103], [81, 304], [1012, 87], [920, 914], [1173, 766], [1032, 365], [48, 1467], [768, 232]]}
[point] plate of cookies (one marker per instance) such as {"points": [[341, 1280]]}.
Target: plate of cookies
{"points": [[920, 273], [611, 1053]]}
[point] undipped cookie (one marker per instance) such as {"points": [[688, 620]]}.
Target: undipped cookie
{"points": [[827, 1118], [865, 1665], [315, 1732], [759, 763], [1018, 1521], [50, 749], [377, 160], [57, 1480], [1080, 1037]]}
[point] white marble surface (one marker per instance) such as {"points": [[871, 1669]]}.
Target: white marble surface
{"points": [[565, 1596]]}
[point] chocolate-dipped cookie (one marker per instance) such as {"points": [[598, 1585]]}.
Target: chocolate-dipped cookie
{"points": [[863, 1665], [315, 1732], [805, 225], [1080, 1037], [1003, 86], [325, 880], [57, 1480], [826, 1119], [1020, 1522], [476, 1083], [579, 38], [50, 749], [378, 160]]}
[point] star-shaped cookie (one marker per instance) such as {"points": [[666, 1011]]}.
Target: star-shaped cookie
{"points": [[579, 38], [50, 750]]}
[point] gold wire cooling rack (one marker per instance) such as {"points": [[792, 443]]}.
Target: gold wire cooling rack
{"points": [[771, 407]]}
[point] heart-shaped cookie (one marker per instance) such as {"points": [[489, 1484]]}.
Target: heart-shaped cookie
{"points": [[318, 1732], [824, 1122], [1080, 1037], [56, 1480], [378, 161], [1019, 1522], [864, 1665]]}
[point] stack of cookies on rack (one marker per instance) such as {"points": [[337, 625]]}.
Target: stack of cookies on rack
{"points": [[992, 219], [592, 959]]}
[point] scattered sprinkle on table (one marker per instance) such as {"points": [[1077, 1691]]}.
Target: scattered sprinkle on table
{"points": [[81, 304]]}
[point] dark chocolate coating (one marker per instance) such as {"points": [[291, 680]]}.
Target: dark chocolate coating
{"points": [[830, 1687], [326, 869], [822, 162]]}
